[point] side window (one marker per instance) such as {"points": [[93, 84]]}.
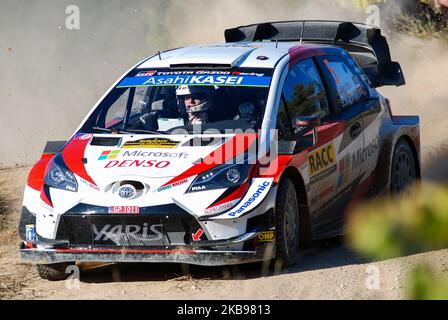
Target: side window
{"points": [[139, 103], [349, 87], [283, 122], [304, 92], [115, 114]]}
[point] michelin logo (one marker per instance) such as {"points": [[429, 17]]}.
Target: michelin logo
{"points": [[261, 189]]}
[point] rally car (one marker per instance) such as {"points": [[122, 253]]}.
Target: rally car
{"points": [[225, 154]]}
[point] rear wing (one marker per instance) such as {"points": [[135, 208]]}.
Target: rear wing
{"points": [[363, 42]]}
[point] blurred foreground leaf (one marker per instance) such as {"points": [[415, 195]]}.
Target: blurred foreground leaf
{"points": [[401, 226], [424, 285]]}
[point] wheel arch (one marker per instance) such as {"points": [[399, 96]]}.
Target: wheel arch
{"points": [[411, 144], [305, 230]]}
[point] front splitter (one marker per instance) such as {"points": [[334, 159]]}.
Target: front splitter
{"points": [[188, 256]]}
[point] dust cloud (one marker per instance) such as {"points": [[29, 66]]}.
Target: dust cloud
{"points": [[51, 77], [425, 66]]}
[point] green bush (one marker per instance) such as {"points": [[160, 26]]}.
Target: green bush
{"points": [[405, 225], [423, 284], [386, 229]]}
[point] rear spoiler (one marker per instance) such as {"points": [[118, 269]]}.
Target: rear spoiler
{"points": [[363, 42]]}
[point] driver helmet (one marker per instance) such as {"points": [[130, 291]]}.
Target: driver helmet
{"points": [[202, 93]]}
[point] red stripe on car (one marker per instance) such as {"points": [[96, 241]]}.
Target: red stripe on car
{"points": [[73, 154], [229, 150], [36, 177], [124, 251], [237, 194]]}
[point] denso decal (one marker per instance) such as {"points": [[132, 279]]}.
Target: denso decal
{"points": [[151, 143], [262, 188], [362, 154], [136, 164], [223, 80], [321, 159]]}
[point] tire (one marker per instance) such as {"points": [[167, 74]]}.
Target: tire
{"points": [[286, 225], [53, 272], [403, 170]]}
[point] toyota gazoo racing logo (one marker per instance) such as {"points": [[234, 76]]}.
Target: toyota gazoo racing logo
{"points": [[127, 191], [137, 235]]}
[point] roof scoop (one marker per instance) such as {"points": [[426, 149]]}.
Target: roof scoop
{"points": [[212, 57]]}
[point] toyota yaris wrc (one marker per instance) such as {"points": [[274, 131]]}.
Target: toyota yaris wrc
{"points": [[225, 154]]}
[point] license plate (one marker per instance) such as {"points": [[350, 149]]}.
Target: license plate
{"points": [[124, 209]]}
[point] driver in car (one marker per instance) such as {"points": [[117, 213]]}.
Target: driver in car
{"points": [[198, 101]]}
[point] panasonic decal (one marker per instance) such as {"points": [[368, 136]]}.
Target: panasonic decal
{"points": [[262, 188]]}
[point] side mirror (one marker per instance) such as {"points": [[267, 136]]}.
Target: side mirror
{"points": [[303, 125], [309, 121]]}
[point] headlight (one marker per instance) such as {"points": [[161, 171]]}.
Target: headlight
{"points": [[59, 176], [223, 176]]}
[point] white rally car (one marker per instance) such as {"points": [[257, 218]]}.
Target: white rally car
{"points": [[224, 154]]}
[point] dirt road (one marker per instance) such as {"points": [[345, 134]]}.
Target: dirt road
{"points": [[328, 271]]}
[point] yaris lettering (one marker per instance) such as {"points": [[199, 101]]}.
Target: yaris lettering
{"points": [[134, 234]]}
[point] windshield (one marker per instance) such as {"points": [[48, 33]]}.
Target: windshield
{"points": [[164, 101]]}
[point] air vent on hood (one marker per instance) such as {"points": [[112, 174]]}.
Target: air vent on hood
{"points": [[201, 66], [203, 142], [105, 141]]}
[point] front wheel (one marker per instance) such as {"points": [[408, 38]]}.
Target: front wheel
{"points": [[287, 224], [403, 170], [54, 271]]}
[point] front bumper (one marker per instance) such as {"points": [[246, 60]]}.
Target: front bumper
{"points": [[75, 242], [189, 256]]}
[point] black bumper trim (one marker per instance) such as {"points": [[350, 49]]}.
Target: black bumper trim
{"points": [[197, 257]]}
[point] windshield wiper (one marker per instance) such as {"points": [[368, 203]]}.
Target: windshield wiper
{"points": [[147, 131], [115, 130]]}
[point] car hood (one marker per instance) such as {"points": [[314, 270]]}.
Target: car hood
{"points": [[101, 159]]}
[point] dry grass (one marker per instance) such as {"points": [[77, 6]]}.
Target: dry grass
{"points": [[427, 30], [10, 286], [424, 20], [13, 281], [4, 206]]}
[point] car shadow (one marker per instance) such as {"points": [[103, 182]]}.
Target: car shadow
{"points": [[324, 254]]}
